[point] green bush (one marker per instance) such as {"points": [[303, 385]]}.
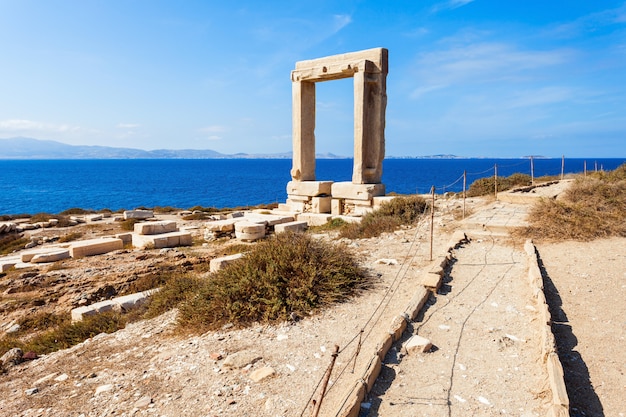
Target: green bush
{"points": [[288, 273]]}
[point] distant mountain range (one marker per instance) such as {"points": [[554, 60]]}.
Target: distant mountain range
{"points": [[29, 148]]}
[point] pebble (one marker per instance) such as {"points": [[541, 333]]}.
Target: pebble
{"points": [[104, 388], [31, 391]]}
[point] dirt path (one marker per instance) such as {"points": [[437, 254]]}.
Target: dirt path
{"points": [[485, 359], [586, 291]]}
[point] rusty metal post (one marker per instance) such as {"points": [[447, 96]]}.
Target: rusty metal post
{"points": [[317, 405]]}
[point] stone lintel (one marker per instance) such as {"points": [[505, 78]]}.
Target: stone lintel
{"points": [[309, 188], [314, 219], [345, 63], [348, 190]]}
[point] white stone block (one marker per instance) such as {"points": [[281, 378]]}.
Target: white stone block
{"points": [[268, 219], [417, 344], [155, 228], [95, 217], [314, 219], [294, 206], [249, 231], [227, 225], [321, 204], [357, 191], [164, 240], [95, 247], [309, 188], [138, 214], [219, 263], [336, 206], [126, 237], [8, 263], [53, 256], [295, 226], [81, 312]]}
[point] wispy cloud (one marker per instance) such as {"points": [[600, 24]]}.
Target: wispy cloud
{"points": [[127, 125], [340, 21], [22, 125], [591, 23], [450, 5], [213, 129], [481, 63]]}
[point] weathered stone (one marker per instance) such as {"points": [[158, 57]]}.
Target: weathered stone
{"points": [[321, 204], [104, 388], [267, 219], [12, 357], [246, 230], [309, 188], [53, 256], [296, 226], [45, 379], [143, 402], [314, 219], [219, 263], [61, 378], [95, 247], [240, 359], [79, 313], [336, 206], [227, 225], [348, 190], [262, 373], [8, 263], [164, 240], [155, 228], [31, 391], [95, 217], [138, 214], [417, 344], [126, 237]]}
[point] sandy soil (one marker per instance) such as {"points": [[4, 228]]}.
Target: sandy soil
{"points": [[486, 361]]}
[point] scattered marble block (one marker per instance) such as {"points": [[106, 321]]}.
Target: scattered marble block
{"points": [[155, 228], [417, 344], [222, 226], [295, 226], [27, 256], [309, 188], [314, 219], [260, 374], [267, 219], [81, 312], [357, 191], [95, 247], [138, 214], [126, 237], [8, 263], [53, 256], [164, 240], [246, 230], [219, 263]]}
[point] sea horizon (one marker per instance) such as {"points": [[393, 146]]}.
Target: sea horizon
{"points": [[30, 186]]}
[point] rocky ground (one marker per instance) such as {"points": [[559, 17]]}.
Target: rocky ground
{"points": [[149, 368]]}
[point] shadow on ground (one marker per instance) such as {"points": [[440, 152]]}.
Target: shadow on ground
{"points": [[582, 397]]}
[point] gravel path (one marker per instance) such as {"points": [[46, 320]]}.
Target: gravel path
{"points": [[485, 359]]}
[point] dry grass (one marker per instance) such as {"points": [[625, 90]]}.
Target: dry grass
{"points": [[593, 207], [390, 216], [486, 186]]}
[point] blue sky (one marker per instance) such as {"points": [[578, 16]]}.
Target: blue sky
{"points": [[467, 77]]}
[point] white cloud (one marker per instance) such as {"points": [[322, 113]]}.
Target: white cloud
{"points": [[213, 129], [214, 137], [541, 96], [340, 21], [450, 5], [22, 125], [479, 63], [127, 125]]}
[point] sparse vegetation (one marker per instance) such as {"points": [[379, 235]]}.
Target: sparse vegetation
{"points": [[333, 224], [390, 216], [129, 224], [591, 208], [12, 242], [64, 334], [70, 237], [288, 273], [486, 186]]}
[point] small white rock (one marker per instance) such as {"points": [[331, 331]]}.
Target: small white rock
{"points": [[104, 388]]}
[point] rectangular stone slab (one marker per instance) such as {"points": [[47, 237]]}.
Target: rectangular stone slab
{"points": [[309, 188], [164, 240], [155, 228], [296, 226], [348, 190], [95, 247]]}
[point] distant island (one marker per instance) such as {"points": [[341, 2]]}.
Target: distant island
{"points": [[29, 148]]}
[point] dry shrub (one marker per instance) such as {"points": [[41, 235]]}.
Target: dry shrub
{"points": [[288, 273], [486, 186], [70, 237], [591, 208], [391, 215], [12, 242]]}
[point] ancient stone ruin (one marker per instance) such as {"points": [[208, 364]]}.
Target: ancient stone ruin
{"points": [[305, 193]]}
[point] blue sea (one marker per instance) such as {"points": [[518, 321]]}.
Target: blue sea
{"points": [[52, 186]]}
